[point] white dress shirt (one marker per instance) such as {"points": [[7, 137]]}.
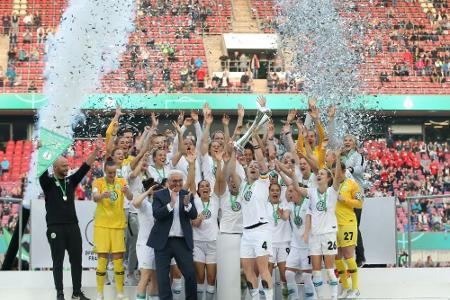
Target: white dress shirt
{"points": [[175, 229]]}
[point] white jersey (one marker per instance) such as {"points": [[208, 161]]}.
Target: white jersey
{"points": [[183, 166], [136, 188], [209, 228], [209, 169], [322, 209], [253, 198], [297, 217], [231, 213], [311, 182], [158, 174], [146, 222], [281, 229]]}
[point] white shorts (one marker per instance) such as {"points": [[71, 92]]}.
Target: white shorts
{"points": [[323, 244], [299, 258], [256, 242], [146, 257], [205, 252], [280, 253]]}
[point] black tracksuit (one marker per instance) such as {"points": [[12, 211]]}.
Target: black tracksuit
{"points": [[63, 232]]}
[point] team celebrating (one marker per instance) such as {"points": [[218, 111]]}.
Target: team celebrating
{"points": [[192, 205]]}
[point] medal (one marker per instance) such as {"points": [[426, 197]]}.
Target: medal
{"points": [[248, 192], [206, 212], [298, 221], [63, 190], [235, 206], [322, 204], [113, 196]]}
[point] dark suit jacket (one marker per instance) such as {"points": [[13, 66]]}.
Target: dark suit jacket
{"points": [[163, 219]]}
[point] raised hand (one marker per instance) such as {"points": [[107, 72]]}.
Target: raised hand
{"points": [[206, 109], [270, 130], [312, 102], [291, 115], [177, 127], [155, 121], [240, 111], [119, 112], [187, 199], [124, 189], [194, 116], [209, 119], [191, 157], [225, 120], [262, 101], [180, 118], [314, 113], [218, 155]]}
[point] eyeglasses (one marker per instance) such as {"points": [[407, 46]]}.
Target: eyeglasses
{"points": [[177, 180]]}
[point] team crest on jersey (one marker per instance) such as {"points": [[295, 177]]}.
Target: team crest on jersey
{"points": [[321, 205], [113, 196], [236, 206], [298, 221], [248, 195], [207, 214]]}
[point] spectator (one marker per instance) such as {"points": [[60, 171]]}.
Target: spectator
{"points": [[145, 55], [198, 63], [32, 87], [272, 81], [243, 63], [34, 55], [225, 81], [12, 55], [201, 77], [6, 22], [384, 77], [11, 74], [23, 55], [254, 65], [5, 168], [37, 19], [13, 40], [27, 37], [246, 81], [166, 74], [40, 35], [15, 23], [28, 20]]}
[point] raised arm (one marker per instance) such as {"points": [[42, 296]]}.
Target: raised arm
{"points": [[111, 131], [190, 181], [259, 156], [145, 149], [240, 120], [198, 129], [339, 175], [137, 201], [205, 137], [331, 128], [180, 145], [220, 184]]}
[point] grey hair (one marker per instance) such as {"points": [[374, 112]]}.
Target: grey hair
{"points": [[355, 140], [174, 172]]}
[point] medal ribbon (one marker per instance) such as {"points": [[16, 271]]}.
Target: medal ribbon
{"points": [[63, 190], [205, 207], [159, 174], [276, 217], [108, 187], [247, 187], [322, 199], [233, 201]]}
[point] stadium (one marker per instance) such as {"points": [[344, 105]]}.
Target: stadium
{"points": [[339, 110]]}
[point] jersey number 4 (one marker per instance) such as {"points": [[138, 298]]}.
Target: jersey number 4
{"points": [[348, 236], [264, 245], [332, 246]]}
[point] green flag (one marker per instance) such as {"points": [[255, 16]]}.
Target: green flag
{"points": [[52, 146]]}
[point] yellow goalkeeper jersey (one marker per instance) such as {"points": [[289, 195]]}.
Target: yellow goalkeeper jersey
{"points": [[350, 197], [109, 212]]}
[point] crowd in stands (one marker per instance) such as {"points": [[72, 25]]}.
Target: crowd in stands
{"points": [[411, 168]]}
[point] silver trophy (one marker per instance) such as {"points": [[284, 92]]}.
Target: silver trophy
{"points": [[263, 115]]}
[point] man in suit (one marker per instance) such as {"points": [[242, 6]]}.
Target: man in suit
{"points": [[171, 235]]}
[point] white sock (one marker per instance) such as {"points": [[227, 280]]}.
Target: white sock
{"points": [[268, 293], [176, 288], [309, 286], [254, 293], [292, 285], [333, 282], [210, 292], [200, 291], [318, 283]]}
